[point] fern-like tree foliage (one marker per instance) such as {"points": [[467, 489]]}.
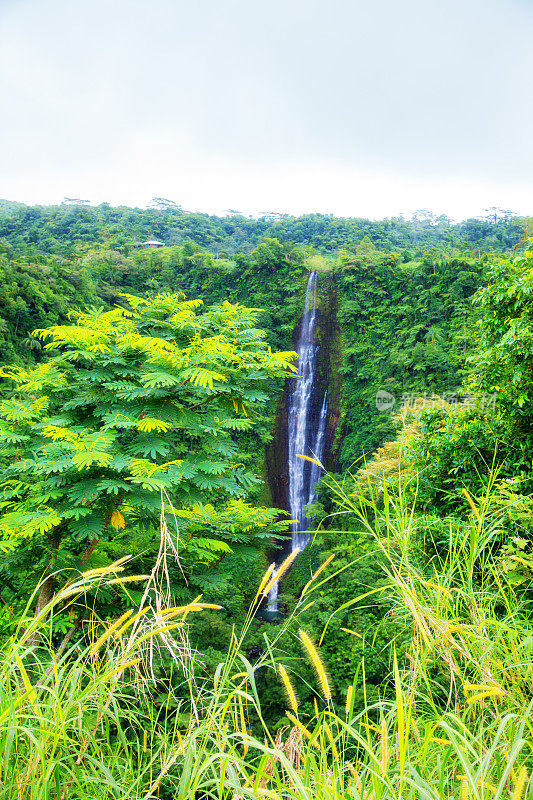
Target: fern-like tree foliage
{"points": [[133, 403]]}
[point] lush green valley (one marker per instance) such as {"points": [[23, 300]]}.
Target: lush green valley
{"points": [[142, 408]]}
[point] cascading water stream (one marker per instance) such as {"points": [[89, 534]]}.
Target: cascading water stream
{"points": [[306, 429]]}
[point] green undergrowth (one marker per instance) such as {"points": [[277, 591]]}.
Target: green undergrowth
{"points": [[452, 720]]}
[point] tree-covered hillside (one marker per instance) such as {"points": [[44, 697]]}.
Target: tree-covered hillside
{"points": [[65, 229], [407, 331]]}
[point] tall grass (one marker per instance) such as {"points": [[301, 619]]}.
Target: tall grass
{"points": [[69, 720], [80, 723]]}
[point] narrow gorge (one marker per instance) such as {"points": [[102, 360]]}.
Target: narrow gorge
{"points": [[305, 429]]}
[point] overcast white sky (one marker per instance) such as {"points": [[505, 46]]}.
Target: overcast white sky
{"points": [[349, 107]]}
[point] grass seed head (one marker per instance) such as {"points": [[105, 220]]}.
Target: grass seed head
{"points": [[348, 699], [284, 566], [109, 631], [317, 663], [292, 697], [520, 783]]}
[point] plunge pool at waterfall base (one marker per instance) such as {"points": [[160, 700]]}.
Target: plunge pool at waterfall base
{"points": [[273, 617]]}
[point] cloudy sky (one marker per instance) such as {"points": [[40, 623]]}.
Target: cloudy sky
{"points": [[348, 107]]}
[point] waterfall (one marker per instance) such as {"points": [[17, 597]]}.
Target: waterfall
{"points": [[306, 429], [272, 601]]}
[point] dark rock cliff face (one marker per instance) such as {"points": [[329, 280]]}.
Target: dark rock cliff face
{"points": [[328, 379], [276, 458], [329, 362]]}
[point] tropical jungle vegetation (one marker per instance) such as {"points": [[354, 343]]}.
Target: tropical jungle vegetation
{"points": [[141, 412]]}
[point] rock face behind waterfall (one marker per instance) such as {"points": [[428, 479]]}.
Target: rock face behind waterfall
{"points": [[327, 379], [305, 428], [306, 422]]}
